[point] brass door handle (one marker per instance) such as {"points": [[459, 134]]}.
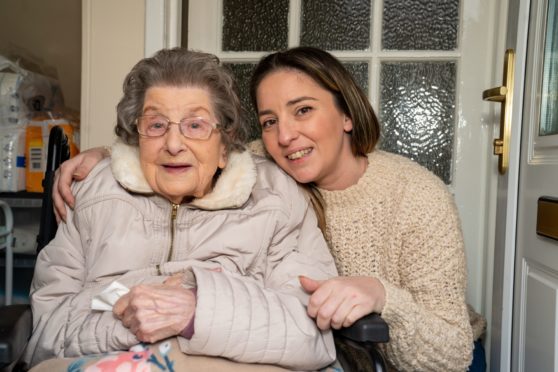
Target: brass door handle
{"points": [[504, 95]]}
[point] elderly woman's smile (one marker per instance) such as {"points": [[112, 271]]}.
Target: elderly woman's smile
{"points": [[175, 166]]}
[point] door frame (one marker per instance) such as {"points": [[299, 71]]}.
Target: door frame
{"points": [[163, 19], [508, 193]]}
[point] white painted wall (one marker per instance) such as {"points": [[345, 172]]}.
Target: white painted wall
{"points": [[113, 41]]}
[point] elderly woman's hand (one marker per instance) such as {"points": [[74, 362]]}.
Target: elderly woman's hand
{"points": [[156, 312], [341, 301]]}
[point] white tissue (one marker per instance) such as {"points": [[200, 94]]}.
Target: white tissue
{"points": [[108, 297]]}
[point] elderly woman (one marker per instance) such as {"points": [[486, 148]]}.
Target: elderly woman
{"points": [[209, 239]]}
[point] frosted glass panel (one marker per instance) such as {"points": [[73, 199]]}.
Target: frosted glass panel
{"points": [[255, 25], [336, 25], [549, 104], [420, 24], [359, 71], [242, 73], [417, 112]]}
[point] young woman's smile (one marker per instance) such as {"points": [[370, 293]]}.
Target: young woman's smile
{"points": [[299, 154]]}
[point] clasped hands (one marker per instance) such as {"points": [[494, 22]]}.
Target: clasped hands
{"points": [[341, 301], [153, 312]]}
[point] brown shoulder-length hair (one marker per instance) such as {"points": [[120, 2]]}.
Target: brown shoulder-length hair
{"points": [[329, 73]]}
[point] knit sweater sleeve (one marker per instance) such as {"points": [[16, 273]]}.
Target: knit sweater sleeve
{"points": [[427, 312]]}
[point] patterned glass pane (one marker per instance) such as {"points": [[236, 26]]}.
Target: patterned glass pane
{"points": [[420, 24], [255, 25], [359, 71], [242, 73], [336, 24], [417, 112]]}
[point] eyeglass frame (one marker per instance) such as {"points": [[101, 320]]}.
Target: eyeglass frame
{"points": [[214, 126]]}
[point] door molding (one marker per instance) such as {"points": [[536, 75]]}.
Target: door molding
{"points": [[542, 149], [538, 274], [163, 20]]}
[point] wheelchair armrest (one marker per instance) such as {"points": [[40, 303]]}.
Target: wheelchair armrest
{"points": [[16, 326], [370, 328]]}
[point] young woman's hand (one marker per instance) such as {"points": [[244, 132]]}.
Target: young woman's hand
{"points": [[155, 312], [341, 301], [76, 168]]}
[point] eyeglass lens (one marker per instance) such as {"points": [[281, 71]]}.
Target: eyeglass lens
{"points": [[157, 126]]}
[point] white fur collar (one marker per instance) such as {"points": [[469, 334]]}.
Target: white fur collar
{"points": [[232, 189]]}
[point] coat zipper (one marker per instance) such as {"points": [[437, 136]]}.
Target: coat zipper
{"points": [[174, 213]]}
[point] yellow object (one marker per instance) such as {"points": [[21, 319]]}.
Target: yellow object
{"points": [[36, 146]]}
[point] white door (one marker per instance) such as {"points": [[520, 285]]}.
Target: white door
{"points": [[525, 306], [441, 54], [535, 315]]}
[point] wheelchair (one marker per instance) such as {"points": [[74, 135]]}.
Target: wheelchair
{"points": [[356, 346]]}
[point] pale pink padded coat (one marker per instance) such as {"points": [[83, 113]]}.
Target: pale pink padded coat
{"points": [[256, 225]]}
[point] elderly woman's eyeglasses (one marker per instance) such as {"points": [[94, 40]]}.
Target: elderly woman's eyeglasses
{"points": [[158, 125]]}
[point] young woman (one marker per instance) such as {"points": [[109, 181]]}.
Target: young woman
{"points": [[392, 226]]}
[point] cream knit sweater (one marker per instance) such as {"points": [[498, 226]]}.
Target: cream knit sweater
{"points": [[399, 224]]}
